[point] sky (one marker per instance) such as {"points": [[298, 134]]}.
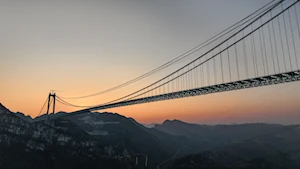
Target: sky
{"points": [[82, 47]]}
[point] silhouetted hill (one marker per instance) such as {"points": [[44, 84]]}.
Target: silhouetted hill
{"points": [[196, 137], [250, 154], [22, 116], [114, 128], [213, 136], [241, 146], [92, 136], [109, 140], [37, 145], [3, 109]]}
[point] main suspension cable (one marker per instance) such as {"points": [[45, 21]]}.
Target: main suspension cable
{"points": [[180, 57]]}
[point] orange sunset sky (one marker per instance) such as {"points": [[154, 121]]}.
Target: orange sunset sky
{"points": [[83, 47]]}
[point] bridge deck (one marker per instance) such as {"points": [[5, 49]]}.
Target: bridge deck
{"points": [[242, 84]]}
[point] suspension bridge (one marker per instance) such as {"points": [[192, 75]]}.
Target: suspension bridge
{"points": [[259, 50]]}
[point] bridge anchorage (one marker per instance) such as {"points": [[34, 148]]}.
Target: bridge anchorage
{"points": [[260, 50]]}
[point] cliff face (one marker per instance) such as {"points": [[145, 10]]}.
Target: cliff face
{"points": [[23, 142], [93, 140], [17, 130]]}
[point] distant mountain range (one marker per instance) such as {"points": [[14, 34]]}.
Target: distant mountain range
{"points": [[245, 146], [109, 140]]}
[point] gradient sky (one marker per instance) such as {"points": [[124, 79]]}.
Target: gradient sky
{"points": [[82, 47]]}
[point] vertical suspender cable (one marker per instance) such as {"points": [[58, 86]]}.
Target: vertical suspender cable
{"points": [[287, 40], [236, 59], [262, 53], [264, 48], [208, 74], [293, 39], [272, 53], [229, 63], [221, 60], [254, 53], [281, 44], [276, 50], [245, 57], [215, 71], [297, 21]]}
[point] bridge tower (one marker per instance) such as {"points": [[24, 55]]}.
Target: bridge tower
{"points": [[53, 96]]}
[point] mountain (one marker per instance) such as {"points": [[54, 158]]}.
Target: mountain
{"points": [[113, 127], [195, 137], [277, 150], [232, 132], [37, 145], [109, 140], [3, 110], [22, 116], [237, 146], [78, 141], [207, 137]]}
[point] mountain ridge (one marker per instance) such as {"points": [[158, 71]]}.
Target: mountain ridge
{"points": [[112, 134], [116, 141]]}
